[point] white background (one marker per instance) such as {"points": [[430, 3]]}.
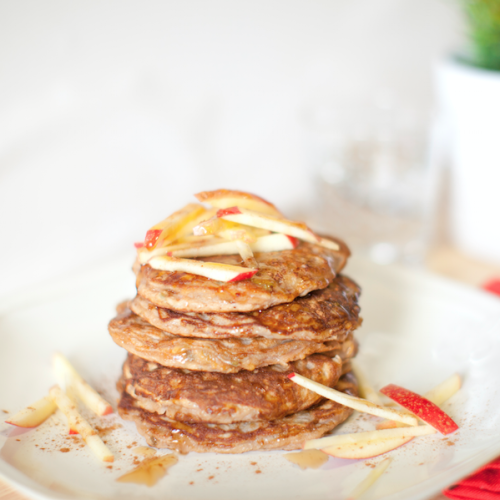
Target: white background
{"points": [[112, 114]]}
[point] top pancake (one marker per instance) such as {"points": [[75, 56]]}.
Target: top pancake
{"points": [[282, 277]]}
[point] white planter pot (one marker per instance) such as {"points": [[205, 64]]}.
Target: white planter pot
{"points": [[469, 99]]}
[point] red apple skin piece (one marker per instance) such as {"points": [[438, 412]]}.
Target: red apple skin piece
{"points": [[421, 407], [152, 237], [245, 276], [228, 211], [295, 241]]}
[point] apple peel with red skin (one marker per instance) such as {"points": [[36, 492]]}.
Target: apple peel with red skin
{"points": [[228, 211], [353, 402], [224, 198], [211, 270], [152, 237], [421, 407]]}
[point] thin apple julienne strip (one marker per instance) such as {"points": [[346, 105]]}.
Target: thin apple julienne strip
{"points": [[80, 425], [445, 390], [144, 255], [211, 270], [246, 254], [213, 245], [270, 222], [370, 479], [353, 402], [366, 391], [221, 248], [65, 372], [173, 226], [358, 437], [34, 414]]}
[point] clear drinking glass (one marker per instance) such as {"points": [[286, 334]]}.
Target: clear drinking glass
{"points": [[376, 187]]}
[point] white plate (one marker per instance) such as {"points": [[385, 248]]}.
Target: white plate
{"points": [[418, 330]]}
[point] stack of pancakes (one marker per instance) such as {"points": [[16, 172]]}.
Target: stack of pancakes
{"points": [[208, 361]]}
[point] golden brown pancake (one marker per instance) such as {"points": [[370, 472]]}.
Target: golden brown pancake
{"points": [[287, 433], [224, 398], [214, 355], [327, 314], [282, 277]]}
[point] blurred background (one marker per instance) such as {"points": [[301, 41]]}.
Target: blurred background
{"points": [[112, 114]]}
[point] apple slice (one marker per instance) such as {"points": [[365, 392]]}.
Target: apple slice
{"points": [[353, 402], [445, 390], [437, 395], [66, 375], [362, 437], [270, 222], [274, 243], [211, 245], [220, 248], [370, 479], [237, 234], [35, 414], [366, 449], [246, 254], [211, 270], [80, 425], [228, 230], [174, 226], [366, 391], [421, 407], [212, 225], [225, 198], [185, 243]]}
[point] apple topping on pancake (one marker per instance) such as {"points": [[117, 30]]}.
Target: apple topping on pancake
{"points": [[282, 276], [243, 225]]}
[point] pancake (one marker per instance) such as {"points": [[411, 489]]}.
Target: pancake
{"points": [[214, 355], [287, 433], [194, 396], [327, 314], [282, 277]]}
